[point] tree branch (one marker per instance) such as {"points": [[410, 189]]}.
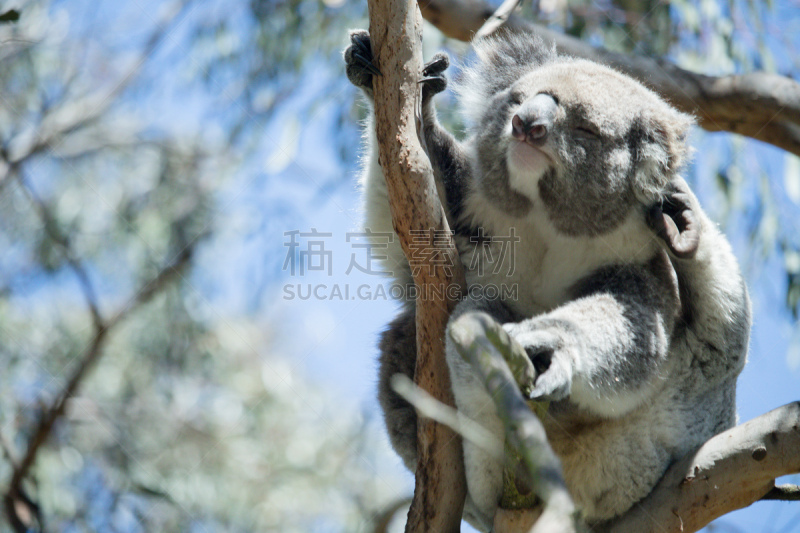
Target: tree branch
{"points": [[383, 519], [91, 356], [732, 470], [498, 18], [54, 233], [485, 345], [428, 407], [395, 30], [783, 493], [760, 105]]}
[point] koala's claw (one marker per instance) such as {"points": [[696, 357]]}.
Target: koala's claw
{"points": [[433, 78], [360, 67], [437, 65], [546, 351], [358, 59], [367, 64]]}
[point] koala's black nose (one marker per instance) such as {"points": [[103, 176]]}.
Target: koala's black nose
{"points": [[534, 119]]}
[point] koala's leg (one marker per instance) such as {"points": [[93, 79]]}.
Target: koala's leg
{"points": [[603, 350], [716, 308], [398, 355], [484, 473]]}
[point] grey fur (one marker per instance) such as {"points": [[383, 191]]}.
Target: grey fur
{"points": [[639, 346], [396, 343]]}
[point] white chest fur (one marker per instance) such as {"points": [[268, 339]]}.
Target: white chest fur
{"points": [[538, 264]]}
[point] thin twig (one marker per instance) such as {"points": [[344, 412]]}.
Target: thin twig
{"points": [[92, 355], [17, 501], [53, 231], [383, 519], [429, 407], [152, 287], [23, 513], [498, 18], [8, 450]]}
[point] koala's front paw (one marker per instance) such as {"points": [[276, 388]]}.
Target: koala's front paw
{"points": [[550, 357], [358, 58], [433, 78]]}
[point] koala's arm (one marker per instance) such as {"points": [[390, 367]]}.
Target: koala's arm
{"points": [[714, 327], [451, 165], [605, 348], [452, 169]]}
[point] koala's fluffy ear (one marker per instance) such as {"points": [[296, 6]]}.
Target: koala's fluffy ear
{"points": [[659, 149], [675, 218], [500, 60]]}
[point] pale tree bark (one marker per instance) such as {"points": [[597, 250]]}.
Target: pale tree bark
{"points": [[760, 105], [395, 31]]}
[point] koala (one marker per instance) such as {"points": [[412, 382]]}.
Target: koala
{"points": [[628, 300]]}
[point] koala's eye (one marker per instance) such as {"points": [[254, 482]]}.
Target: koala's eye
{"points": [[586, 131]]}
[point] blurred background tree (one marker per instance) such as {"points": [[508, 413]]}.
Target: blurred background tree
{"points": [[154, 158], [117, 133]]}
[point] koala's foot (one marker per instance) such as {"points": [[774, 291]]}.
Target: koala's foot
{"points": [[358, 58], [550, 356]]}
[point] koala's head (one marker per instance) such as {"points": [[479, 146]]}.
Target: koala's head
{"points": [[584, 141]]}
